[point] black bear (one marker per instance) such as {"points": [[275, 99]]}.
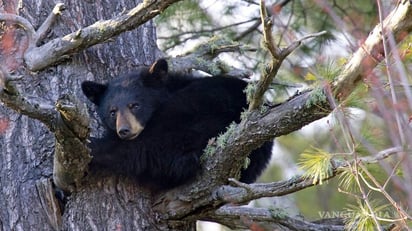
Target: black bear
{"points": [[158, 124]]}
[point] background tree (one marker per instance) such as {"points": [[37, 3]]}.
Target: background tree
{"points": [[46, 132]]}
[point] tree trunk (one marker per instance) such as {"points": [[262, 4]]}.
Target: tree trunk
{"points": [[27, 146]]}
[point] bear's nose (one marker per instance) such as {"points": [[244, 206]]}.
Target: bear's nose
{"points": [[124, 133]]}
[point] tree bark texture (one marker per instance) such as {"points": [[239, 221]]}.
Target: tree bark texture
{"points": [[27, 146]]}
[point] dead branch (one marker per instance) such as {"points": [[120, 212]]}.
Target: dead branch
{"points": [[241, 193], [38, 58], [48, 23], [68, 120], [255, 97], [203, 58], [34, 108], [246, 217]]}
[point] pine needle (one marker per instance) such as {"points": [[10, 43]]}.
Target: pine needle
{"points": [[317, 164], [347, 179], [359, 217]]}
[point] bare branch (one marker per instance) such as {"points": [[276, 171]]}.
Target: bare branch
{"points": [[246, 217], [248, 31], [240, 194], [203, 58], [48, 23], [256, 93], [285, 52], [206, 31], [382, 155], [34, 108], [362, 62], [38, 58], [268, 40], [70, 124]]}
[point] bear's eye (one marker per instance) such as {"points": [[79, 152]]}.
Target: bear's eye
{"points": [[134, 106], [112, 112]]}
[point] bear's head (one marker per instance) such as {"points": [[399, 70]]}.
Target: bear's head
{"points": [[126, 104]]}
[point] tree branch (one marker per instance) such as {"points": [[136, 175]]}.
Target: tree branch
{"points": [[242, 193], [38, 58], [70, 124], [365, 59], [245, 217], [255, 94], [34, 108], [48, 23], [227, 160], [70, 128], [202, 58], [71, 157]]}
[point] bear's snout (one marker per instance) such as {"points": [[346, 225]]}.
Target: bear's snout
{"points": [[127, 126]]}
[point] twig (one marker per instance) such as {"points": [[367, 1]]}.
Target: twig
{"points": [[203, 58], [50, 20], [255, 96], [402, 213], [207, 31], [285, 52], [247, 31], [267, 32], [382, 155]]}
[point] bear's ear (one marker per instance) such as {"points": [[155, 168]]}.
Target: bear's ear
{"points": [[159, 68], [94, 91]]}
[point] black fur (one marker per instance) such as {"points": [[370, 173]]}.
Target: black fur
{"points": [[179, 115]]}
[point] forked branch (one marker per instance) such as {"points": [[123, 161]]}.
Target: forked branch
{"points": [[34, 36], [278, 55], [38, 58], [68, 120]]}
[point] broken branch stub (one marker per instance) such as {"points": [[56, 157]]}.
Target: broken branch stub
{"points": [[71, 157]]}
